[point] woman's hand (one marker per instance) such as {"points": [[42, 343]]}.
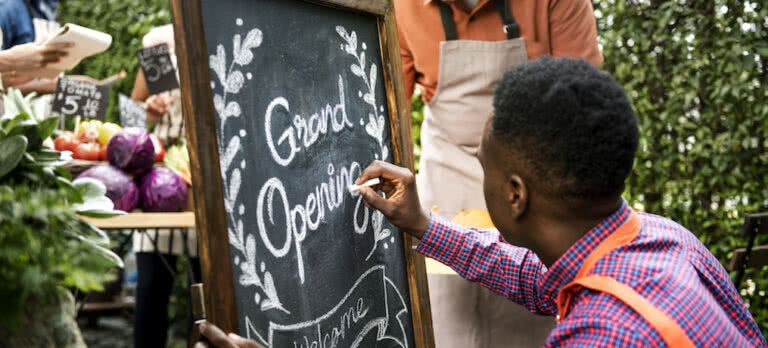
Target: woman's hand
{"points": [[28, 57], [157, 107]]}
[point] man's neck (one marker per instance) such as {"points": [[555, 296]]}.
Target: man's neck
{"points": [[562, 228]]}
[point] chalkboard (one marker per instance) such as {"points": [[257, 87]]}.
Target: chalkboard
{"points": [[75, 97], [132, 114], [298, 98], [158, 68]]}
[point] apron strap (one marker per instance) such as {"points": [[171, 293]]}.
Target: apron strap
{"points": [[672, 334], [511, 28], [446, 15]]}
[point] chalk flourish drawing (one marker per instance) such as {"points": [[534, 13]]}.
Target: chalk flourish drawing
{"points": [[376, 125], [231, 80]]}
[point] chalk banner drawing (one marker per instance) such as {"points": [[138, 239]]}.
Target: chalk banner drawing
{"points": [[314, 267]]}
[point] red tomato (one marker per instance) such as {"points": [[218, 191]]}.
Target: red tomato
{"points": [[89, 135], [159, 149], [103, 153], [66, 142], [87, 151]]}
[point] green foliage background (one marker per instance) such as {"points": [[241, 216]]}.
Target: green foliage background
{"points": [[696, 74], [127, 21]]}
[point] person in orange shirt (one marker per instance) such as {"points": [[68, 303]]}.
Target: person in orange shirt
{"points": [[455, 51]]}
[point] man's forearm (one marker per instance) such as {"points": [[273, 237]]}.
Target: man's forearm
{"points": [[480, 255]]}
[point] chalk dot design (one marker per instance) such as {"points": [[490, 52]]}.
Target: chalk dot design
{"points": [[239, 22]]}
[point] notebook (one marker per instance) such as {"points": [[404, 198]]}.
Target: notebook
{"points": [[87, 42]]}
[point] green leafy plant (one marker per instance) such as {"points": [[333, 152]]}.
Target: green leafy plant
{"points": [[44, 246]]}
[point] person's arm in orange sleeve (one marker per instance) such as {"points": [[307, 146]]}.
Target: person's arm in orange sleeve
{"points": [[409, 71], [573, 30]]}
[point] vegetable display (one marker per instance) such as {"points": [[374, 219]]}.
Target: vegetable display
{"points": [[89, 140], [161, 190], [132, 151], [120, 186]]}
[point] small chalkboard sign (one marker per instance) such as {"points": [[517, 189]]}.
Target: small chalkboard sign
{"points": [[286, 102], [83, 98], [158, 68], [132, 114]]}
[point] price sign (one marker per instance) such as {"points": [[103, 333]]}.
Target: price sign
{"points": [[158, 69], [132, 114], [75, 97]]}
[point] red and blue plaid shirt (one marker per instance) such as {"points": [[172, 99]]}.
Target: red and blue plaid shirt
{"points": [[665, 264]]}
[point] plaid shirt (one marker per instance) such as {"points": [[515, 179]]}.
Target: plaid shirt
{"points": [[665, 264]]}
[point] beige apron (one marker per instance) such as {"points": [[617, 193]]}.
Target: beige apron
{"points": [[450, 179]]}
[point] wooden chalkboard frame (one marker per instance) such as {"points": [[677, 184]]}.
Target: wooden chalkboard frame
{"points": [[200, 119]]}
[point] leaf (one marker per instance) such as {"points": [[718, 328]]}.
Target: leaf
{"points": [[46, 127], [234, 187], [371, 128], [357, 70], [233, 109], [218, 63], [236, 47], [353, 41], [250, 249], [362, 60], [368, 97], [244, 56], [373, 79], [235, 82], [230, 153], [12, 150], [342, 32], [89, 188], [218, 104]]}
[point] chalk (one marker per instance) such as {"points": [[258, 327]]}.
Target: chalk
{"points": [[353, 187]]}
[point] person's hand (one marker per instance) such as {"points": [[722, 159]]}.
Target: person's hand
{"points": [[30, 56], [401, 205], [219, 339], [157, 107]]}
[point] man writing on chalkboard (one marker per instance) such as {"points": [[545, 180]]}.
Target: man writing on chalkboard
{"points": [[567, 244], [456, 50], [555, 156]]}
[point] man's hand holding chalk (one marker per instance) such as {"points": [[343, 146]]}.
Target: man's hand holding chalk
{"points": [[401, 207], [369, 183]]}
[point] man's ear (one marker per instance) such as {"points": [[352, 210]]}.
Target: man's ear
{"points": [[518, 196]]}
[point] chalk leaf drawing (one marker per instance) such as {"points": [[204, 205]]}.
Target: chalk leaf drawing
{"points": [[375, 126], [232, 80]]}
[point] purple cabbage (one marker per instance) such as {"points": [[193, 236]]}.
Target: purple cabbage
{"points": [[162, 190], [120, 186], [132, 151]]}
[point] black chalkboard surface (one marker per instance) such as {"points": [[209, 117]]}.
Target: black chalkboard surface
{"points": [[294, 100], [300, 113]]}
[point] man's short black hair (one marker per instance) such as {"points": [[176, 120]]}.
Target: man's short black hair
{"points": [[571, 125]]}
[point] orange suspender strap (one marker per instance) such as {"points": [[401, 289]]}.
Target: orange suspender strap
{"points": [[628, 231], [669, 330]]}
